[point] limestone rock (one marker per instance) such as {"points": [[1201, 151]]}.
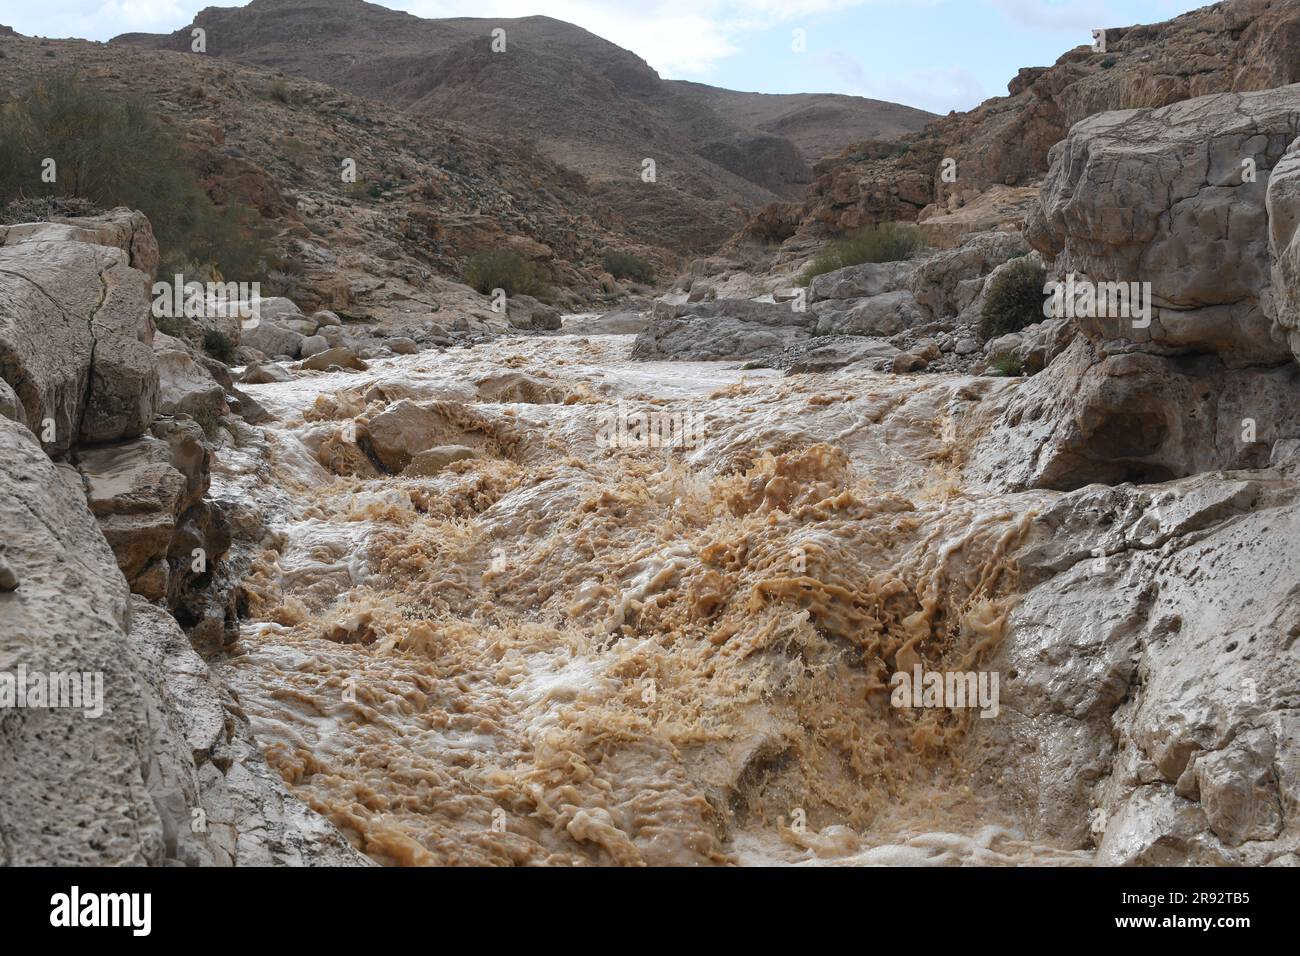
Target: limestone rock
{"points": [[1282, 203], [999, 209], [525, 312], [75, 336], [857, 282], [313, 345], [121, 228], [400, 432], [1167, 197], [881, 315], [263, 374], [136, 496], [1094, 416], [722, 329], [10, 405], [611, 323], [947, 282], [272, 338], [187, 387], [334, 358], [905, 362]]}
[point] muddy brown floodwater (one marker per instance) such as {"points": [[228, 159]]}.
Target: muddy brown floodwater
{"points": [[568, 650]]}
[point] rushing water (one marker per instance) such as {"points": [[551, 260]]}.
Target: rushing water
{"points": [[575, 649]]}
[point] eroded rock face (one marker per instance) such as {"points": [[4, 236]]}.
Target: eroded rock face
{"points": [[1282, 203], [187, 387], [947, 283], [1152, 673], [121, 228], [167, 771], [1174, 197], [877, 315], [856, 282], [76, 336], [1103, 416], [1163, 197]]}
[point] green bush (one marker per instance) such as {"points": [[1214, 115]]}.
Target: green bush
{"points": [[1008, 366], [278, 90], [504, 269], [217, 344], [627, 265], [111, 151], [1015, 299], [887, 242]]}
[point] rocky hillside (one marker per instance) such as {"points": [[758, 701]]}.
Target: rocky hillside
{"points": [[1238, 45], [589, 105], [427, 195], [821, 125]]}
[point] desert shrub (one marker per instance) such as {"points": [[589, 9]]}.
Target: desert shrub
{"points": [[627, 265], [1015, 299], [1008, 366], [174, 325], [217, 344], [45, 208], [1109, 62], [278, 90], [207, 420], [504, 269], [887, 242], [111, 150]]}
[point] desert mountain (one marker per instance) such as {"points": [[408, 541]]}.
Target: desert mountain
{"points": [[589, 105]]}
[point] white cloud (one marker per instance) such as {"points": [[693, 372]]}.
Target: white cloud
{"points": [[1067, 15], [679, 38], [937, 90]]}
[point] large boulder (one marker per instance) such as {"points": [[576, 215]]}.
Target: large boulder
{"points": [[76, 338], [946, 283], [860, 281], [1165, 197], [1175, 197], [187, 387], [272, 338], [525, 312], [881, 315], [121, 228]]}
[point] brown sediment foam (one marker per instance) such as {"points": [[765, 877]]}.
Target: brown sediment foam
{"points": [[618, 660]]}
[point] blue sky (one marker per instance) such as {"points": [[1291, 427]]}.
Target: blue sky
{"points": [[935, 54]]}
